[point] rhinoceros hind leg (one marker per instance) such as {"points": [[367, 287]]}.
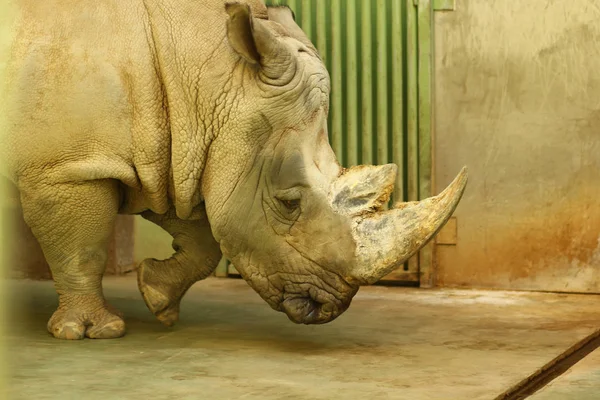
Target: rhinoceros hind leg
{"points": [[72, 222], [163, 283]]}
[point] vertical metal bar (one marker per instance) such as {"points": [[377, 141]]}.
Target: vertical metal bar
{"points": [[366, 83], [307, 18], [412, 160], [397, 106], [412, 106], [424, 18], [425, 98], [336, 84], [351, 85], [322, 30], [382, 84]]}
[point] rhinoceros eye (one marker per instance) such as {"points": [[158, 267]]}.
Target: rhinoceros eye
{"points": [[291, 204]]}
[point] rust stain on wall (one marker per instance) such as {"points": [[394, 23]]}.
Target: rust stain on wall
{"points": [[557, 248]]}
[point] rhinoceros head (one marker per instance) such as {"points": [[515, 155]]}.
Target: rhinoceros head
{"points": [[304, 232]]}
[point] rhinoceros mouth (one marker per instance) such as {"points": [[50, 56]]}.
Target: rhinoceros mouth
{"points": [[305, 310]]}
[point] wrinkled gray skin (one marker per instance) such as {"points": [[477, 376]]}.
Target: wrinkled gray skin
{"points": [[209, 120]]}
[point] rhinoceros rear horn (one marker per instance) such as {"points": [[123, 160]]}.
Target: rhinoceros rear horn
{"points": [[363, 189], [258, 40], [239, 32]]}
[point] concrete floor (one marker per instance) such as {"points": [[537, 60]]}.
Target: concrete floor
{"points": [[393, 343]]}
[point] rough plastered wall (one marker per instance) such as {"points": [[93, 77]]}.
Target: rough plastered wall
{"points": [[518, 100]]}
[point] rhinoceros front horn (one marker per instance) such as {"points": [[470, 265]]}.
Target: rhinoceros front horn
{"points": [[386, 239]]}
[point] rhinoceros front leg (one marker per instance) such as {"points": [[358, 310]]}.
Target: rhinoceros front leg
{"points": [[73, 222], [197, 254]]}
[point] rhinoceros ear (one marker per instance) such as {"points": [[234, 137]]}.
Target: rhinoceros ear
{"points": [[363, 189], [240, 31], [259, 41]]}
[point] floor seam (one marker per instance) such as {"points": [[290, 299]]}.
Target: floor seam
{"points": [[553, 369]]}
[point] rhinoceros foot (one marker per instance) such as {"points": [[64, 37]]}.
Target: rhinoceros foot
{"points": [[161, 296], [77, 317]]}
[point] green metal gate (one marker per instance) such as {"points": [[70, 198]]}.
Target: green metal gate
{"points": [[379, 56]]}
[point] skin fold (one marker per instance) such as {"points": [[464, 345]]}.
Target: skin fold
{"points": [[209, 119]]}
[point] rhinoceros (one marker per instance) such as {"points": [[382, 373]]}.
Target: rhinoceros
{"points": [[209, 119]]}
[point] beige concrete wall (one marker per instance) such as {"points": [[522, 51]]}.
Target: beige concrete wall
{"points": [[518, 100]]}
